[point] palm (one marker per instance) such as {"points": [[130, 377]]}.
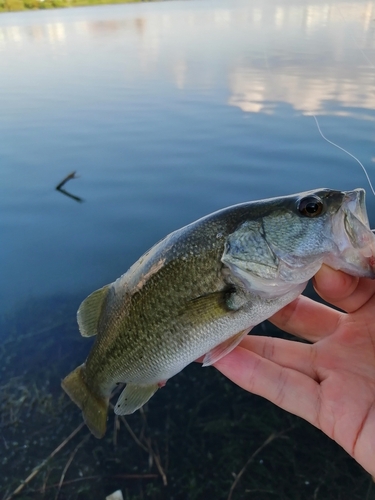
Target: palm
{"points": [[330, 383], [345, 366]]}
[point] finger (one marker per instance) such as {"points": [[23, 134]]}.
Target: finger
{"points": [[346, 292], [286, 353], [287, 388], [307, 319]]}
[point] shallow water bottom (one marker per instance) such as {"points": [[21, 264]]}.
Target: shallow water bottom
{"points": [[200, 437]]}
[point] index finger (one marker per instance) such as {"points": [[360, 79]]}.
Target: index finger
{"points": [[307, 319]]}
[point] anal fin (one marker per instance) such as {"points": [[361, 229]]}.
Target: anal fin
{"points": [[224, 348], [133, 397]]}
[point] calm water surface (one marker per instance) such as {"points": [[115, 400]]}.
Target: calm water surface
{"points": [[168, 111]]}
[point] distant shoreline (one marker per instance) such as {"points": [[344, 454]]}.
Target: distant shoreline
{"points": [[20, 5]]}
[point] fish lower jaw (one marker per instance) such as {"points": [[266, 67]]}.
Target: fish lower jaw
{"points": [[368, 256], [371, 261], [360, 263]]}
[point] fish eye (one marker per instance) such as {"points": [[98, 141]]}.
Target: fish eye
{"points": [[311, 206]]}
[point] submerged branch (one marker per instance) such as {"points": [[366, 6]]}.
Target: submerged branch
{"points": [[72, 175], [59, 187], [68, 463], [41, 465], [146, 445], [269, 440], [92, 478]]}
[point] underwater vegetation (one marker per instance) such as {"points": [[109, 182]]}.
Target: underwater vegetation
{"points": [[199, 437]]}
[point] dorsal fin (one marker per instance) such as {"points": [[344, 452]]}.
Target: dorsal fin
{"points": [[90, 310]]}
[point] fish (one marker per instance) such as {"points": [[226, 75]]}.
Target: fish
{"points": [[201, 289]]}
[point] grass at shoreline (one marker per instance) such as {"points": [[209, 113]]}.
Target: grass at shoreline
{"points": [[19, 5]]}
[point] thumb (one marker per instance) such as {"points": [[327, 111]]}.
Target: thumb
{"points": [[334, 286]]}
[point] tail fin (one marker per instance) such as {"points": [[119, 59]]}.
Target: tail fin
{"points": [[93, 406]]}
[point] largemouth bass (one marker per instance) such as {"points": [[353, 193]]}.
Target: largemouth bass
{"points": [[202, 288]]}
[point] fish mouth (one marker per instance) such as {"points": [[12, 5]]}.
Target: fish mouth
{"points": [[354, 239], [356, 204]]}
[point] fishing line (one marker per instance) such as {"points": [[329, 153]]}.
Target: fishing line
{"points": [[350, 154], [347, 152]]}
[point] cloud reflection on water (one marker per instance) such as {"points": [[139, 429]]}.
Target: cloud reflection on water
{"points": [[312, 56]]}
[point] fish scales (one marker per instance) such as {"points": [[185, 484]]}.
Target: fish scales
{"points": [[144, 310], [202, 288]]}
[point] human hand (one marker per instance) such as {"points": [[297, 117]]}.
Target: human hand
{"points": [[330, 383]]}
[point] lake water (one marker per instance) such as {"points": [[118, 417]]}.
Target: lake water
{"points": [[167, 111]]}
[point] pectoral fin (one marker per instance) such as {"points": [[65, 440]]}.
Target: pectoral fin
{"points": [[133, 397], [209, 307], [224, 348]]}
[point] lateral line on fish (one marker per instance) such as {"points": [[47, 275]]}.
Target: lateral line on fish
{"points": [[347, 152]]}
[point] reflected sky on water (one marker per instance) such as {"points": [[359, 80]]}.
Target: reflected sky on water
{"points": [[169, 111], [303, 54]]}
